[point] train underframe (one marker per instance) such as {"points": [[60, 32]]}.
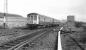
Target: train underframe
{"points": [[39, 26]]}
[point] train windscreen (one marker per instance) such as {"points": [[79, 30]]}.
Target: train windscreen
{"points": [[31, 17], [35, 17]]}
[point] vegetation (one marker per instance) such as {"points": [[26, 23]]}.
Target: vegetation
{"points": [[83, 33], [78, 24]]}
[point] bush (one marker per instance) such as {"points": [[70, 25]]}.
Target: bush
{"points": [[78, 24]]}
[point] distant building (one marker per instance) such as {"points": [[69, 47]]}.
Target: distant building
{"points": [[13, 20], [70, 18], [70, 21]]}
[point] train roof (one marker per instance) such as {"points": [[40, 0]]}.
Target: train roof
{"points": [[9, 15], [32, 14]]}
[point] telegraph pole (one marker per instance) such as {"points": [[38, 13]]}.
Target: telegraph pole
{"points": [[5, 11]]}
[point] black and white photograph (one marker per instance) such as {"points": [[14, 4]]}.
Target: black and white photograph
{"points": [[42, 24]]}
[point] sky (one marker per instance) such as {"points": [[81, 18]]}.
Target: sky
{"points": [[58, 9]]}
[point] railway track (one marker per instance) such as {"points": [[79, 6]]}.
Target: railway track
{"points": [[19, 42], [74, 40], [32, 41]]}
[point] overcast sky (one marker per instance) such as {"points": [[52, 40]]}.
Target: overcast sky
{"points": [[58, 9]]}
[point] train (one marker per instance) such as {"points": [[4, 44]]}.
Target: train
{"points": [[35, 20]]}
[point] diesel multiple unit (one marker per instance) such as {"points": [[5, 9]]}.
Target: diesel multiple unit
{"points": [[37, 20]]}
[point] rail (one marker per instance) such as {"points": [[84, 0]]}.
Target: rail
{"points": [[74, 40], [32, 39], [19, 42]]}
